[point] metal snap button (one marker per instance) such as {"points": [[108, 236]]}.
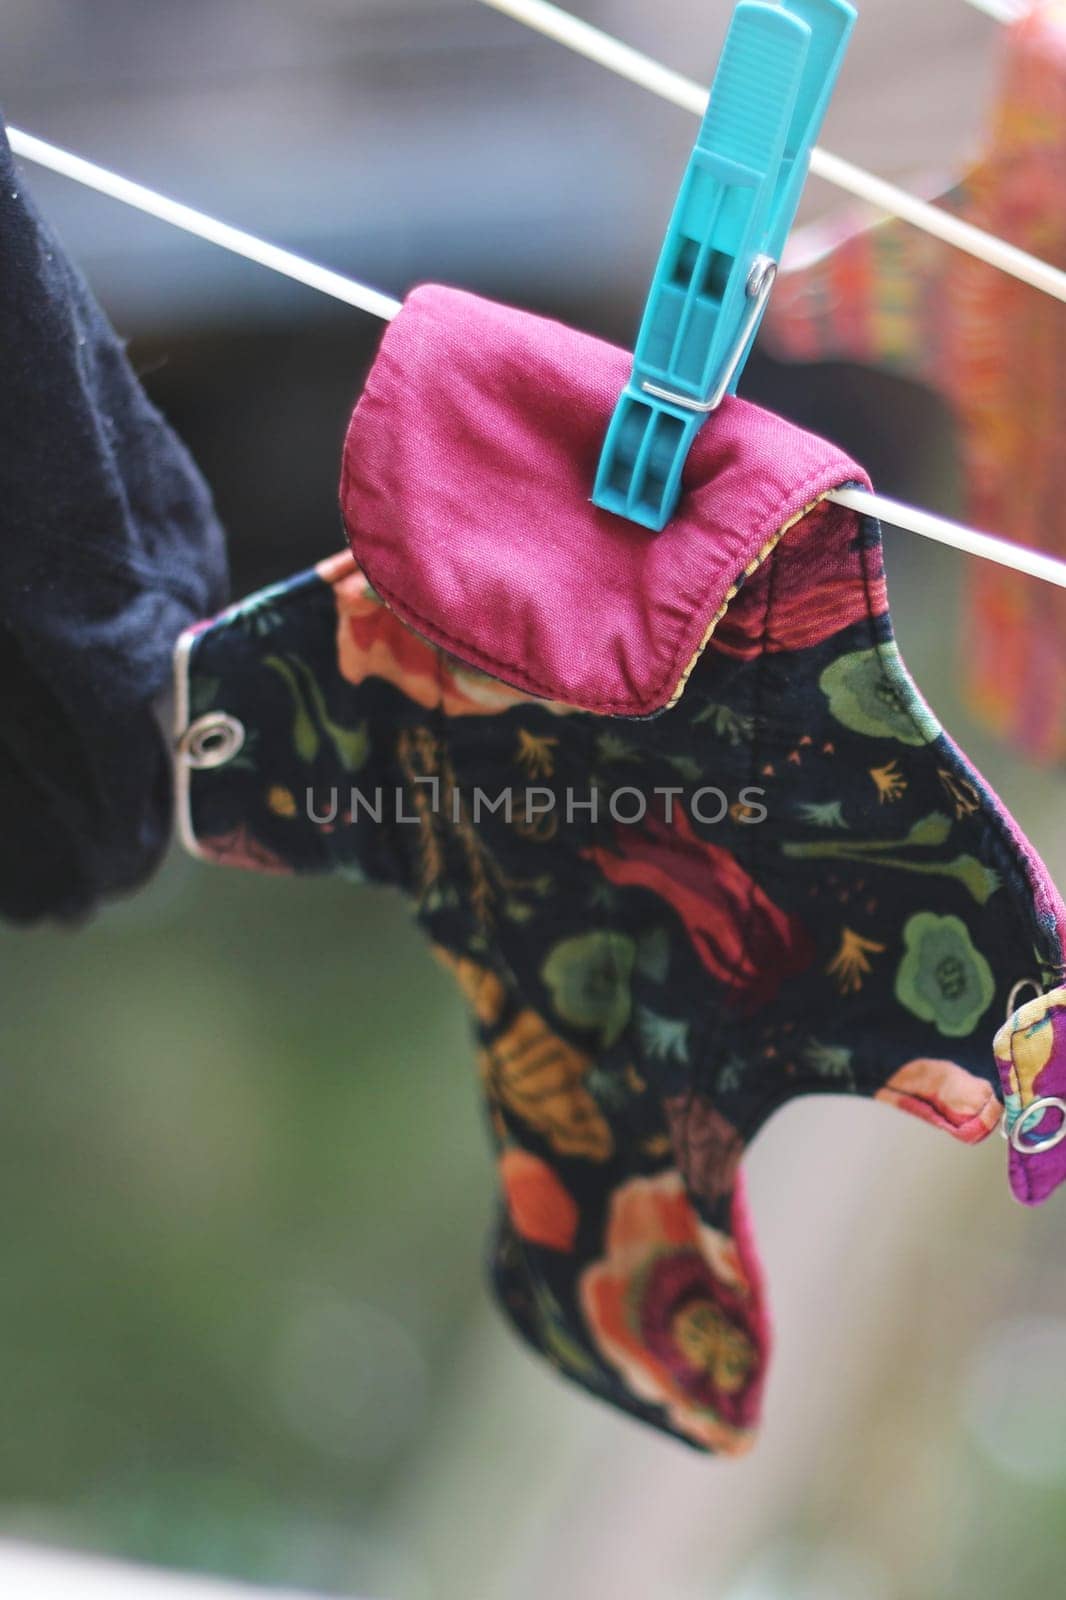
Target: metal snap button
{"points": [[212, 740], [1034, 1111]]}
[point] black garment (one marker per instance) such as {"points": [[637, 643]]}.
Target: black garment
{"points": [[109, 546]]}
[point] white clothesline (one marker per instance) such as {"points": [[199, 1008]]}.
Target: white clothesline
{"points": [[985, 545], [928, 526], [205, 227], [1002, 10], [641, 69]]}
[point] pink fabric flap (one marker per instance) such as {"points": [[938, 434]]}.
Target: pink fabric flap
{"points": [[465, 490]]}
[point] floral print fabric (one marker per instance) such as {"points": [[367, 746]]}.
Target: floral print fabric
{"points": [[1030, 1051], [819, 896]]}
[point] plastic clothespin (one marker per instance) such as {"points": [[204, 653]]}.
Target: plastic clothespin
{"points": [[736, 205]]}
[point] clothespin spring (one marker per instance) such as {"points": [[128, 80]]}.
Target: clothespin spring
{"points": [[760, 282]]}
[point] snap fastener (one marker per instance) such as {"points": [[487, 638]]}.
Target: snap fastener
{"points": [[1035, 1110], [1012, 1006], [212, 740]]}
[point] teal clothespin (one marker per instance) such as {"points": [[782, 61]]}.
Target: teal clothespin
{"points": [[736, 205]]}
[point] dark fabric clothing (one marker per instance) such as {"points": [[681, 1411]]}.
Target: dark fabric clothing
{"points": [[670, 807], [109, 546]]}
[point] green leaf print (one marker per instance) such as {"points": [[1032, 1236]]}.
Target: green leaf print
{"points": [[351, 744], [929, 832], [305, 739], [588, 979], [560, 1344], [822, 813], [686, 768], [943, 978], [735, 726], [612, 748], [870, 692], [663, 1038], [829, 1061]]}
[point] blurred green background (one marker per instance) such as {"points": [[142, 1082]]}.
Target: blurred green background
{"points": [[243, 1180]]}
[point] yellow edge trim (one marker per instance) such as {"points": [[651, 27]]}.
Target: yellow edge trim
{"points": [[753, 566]]}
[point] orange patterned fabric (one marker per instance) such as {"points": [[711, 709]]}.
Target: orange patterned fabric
{"points": [[893, 297]]}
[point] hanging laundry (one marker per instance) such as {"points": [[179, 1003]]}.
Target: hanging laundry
{"points": [[669, 807], [889, 296], [109, 547]]}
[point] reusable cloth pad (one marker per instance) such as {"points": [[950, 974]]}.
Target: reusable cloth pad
{"points": [[792, 882], [890, 296], [109, 547]]}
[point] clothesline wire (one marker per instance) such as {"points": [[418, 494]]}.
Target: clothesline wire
{"points": [[189, 220], [639, 68], [286, 262], [1002, 10]]}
